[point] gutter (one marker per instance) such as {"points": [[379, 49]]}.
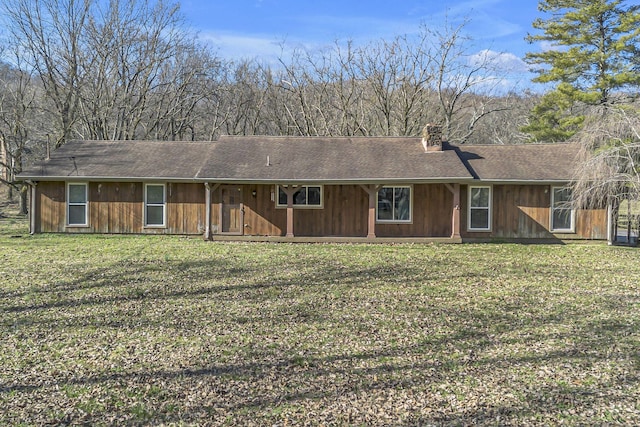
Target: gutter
{"points": [[435, 180]]}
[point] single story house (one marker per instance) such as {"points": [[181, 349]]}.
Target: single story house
{"points": [[313, 189]]}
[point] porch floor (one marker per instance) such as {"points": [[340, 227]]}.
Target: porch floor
{"points": [[333, 239]]}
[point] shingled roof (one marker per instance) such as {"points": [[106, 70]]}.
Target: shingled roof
{"points": [[522, 162], [122, 160], [305, 159]]}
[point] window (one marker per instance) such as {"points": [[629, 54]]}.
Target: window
{"points": [[77, 205], [479, 209], [562, 214], [394, 204], [307, 196], [154, 205]]}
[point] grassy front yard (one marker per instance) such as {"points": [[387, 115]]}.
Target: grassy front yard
{"points": [[160, 330]]}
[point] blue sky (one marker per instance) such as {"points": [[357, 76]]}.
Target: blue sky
{"points": [[255, 28]]}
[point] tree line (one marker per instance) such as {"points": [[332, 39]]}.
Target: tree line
{"points": [[122, 70]]}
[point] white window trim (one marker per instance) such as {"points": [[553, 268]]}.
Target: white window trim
{"points": [[320, 206], [489, 208], [396, 221], [86, 204], [552, 208], [164, 205]]}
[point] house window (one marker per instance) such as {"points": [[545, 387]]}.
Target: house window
{"points": [[154, 205], [479, 209], [77, 204], [394, 204], [562, 214], [309, 196]]}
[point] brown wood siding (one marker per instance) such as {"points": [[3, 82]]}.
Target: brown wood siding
{"points": [[523, 212], [592, 224], [431, 216], [51, 200], [115, 207], [185, 208], [260, 215], [344, 213], [518, 211], [118, 208]]}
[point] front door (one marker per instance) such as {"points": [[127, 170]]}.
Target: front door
{"points": [[232, 210]]}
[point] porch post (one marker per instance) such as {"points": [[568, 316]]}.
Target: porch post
{"points": [[289, 215], [372, 191], [455, 222], [455, 217], [289, 191], [207, 210], [371, 227], [32, 208]]}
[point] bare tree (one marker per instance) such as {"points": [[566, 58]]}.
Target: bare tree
{"points": [[610, 171], [20, 122], [394, 87], [467, 85], [399, 75], [50, 34], [144, 75], [113, 70], [131, 70], [503, 125]]}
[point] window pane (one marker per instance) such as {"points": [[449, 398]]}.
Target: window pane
{"points": [[313, 196], [282, 197], [300, 197], [479, 197], [480, 218], [155, 194], [77, 193], [155, 215], [561, 196], [77, 215], [385, 204], [402, 204], [561, 219]]}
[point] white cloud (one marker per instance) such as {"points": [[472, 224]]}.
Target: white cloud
{"points": [[504, 61]]}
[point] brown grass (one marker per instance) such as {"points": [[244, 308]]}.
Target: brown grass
{"points": [[139, 330]]}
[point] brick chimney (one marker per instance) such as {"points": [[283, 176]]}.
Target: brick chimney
{"points": [[432, 138]]}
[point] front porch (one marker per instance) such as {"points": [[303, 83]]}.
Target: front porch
{"points": [[336, 239], [414, 212]]}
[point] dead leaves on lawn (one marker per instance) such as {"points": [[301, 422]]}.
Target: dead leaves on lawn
{"points": [[146, 330]]}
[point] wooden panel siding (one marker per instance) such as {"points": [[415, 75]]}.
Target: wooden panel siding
{"points": [[51, 199], [431, 216], [261, 218], [118, 208], [344, 213], [518, 212], [115, 207], [185, 208], [592, 224], [523, 212]]}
